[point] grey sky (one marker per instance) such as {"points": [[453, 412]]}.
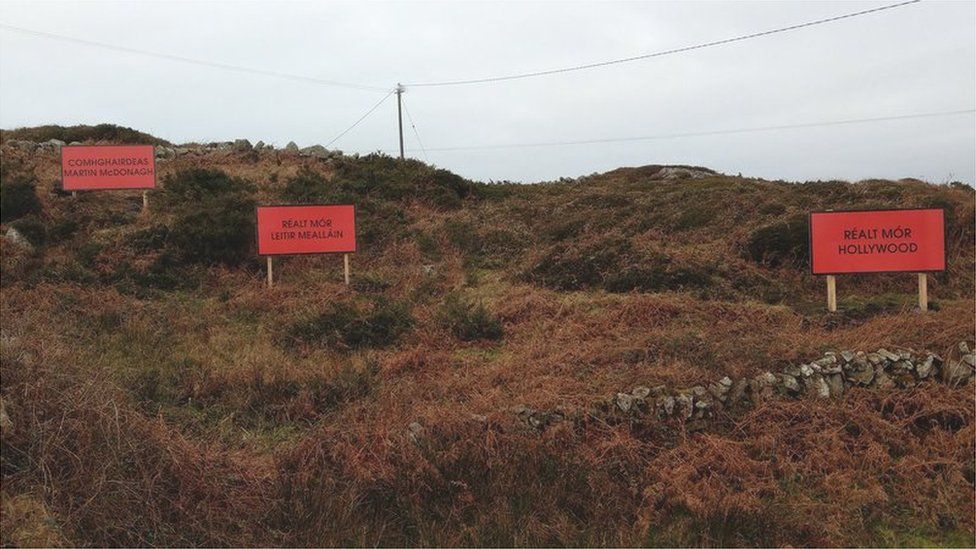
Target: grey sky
{"points": [[915, 59]]}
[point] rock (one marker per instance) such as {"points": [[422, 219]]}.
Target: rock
{"points": [[259, 145], [417, 434], [835, 383], [15, 237], [924, 368], [790, 383], [56, 143], [241, 145], [685, 405], [806, 370], [675, 173], [817, 386], [720, 388], [624, 401], [861, 374], [667, 405], [902, 366], [956, 373], [847, 356], [640, 392], [792, 371], [738, 391], [882, 381], [964, 348], [875, 359], [225, 146], [762, 386], [969, 360], [316, 151], [702, 408], [428, 270], [888, 355], [827, 360], [291, 147]]}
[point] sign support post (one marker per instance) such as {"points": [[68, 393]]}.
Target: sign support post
{"points": [[270, 271], [145, 201], [345, 261], [923, 292], [832, 293]]}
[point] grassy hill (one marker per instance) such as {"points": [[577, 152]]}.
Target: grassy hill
{"points": [[158, 393]]}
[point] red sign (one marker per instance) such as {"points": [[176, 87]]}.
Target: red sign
{"points": [[313, 229], [877, 241], [97, 167]]}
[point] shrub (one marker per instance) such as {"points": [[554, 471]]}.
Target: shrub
{"points": [[347, 326], [17, 198], [784, 243], [469, 321], [572, 266], [100, 132], [213, 217], [306, 187], [32, 229]]}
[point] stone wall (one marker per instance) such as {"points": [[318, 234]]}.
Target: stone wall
{"points": [[830, 376]]}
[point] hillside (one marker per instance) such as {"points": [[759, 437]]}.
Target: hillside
{"points": [[464, 388]]}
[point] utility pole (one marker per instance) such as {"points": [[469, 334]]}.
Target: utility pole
{"points": [[399, 92]]}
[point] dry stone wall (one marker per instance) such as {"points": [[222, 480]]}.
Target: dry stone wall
{"points": [[831, 376]]}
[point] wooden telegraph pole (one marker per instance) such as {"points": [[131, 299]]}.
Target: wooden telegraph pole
{"points": [[399, 92]]}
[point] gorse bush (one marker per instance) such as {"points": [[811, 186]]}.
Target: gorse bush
{"points": [[344, 325], [468, 320], [213, 219], [784, 243], [18, 196], [32, 229], [306, 187], [576, 266], [100, 132]]}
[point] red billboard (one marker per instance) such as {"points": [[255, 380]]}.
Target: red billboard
{"points": [[311, 229], [99, 167], [877, 241]]}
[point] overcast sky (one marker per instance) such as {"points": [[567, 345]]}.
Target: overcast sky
{"points": [[915, 59]]}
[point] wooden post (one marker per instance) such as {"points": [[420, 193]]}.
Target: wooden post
{"points": [[345, 261], [145, 201], [270, 271], [74, 194], [831, 293], [923, 292]]}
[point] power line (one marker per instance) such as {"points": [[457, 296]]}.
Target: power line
{"points": [[415, 132], [712, 132], [361, 118], [665, 52], [200, 62]]}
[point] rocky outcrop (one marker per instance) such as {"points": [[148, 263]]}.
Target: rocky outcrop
{"points": [[830, 376]]}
